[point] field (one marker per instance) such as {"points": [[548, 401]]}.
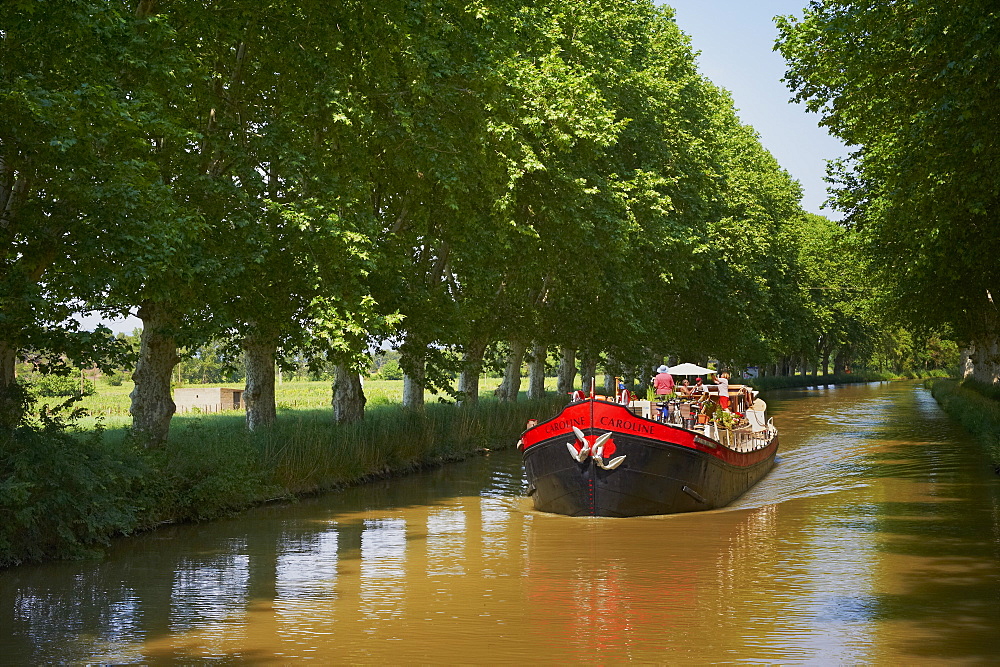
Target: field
{"points": [[111, 403]]}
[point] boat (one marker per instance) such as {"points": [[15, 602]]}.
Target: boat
{"points": [[620, 457]]}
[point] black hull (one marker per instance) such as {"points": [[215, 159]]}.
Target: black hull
{"points": [[672, 470], [656, 478]]}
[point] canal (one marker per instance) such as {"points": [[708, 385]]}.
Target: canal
{"points": [[876, 538]]}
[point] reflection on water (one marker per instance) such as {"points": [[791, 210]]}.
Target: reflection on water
{"points": [[209, 591], [875, 539], [305, 577], [383, 573]]}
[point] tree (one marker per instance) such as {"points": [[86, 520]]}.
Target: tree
{"points": [[912, 86], [239, 241], [72, 169], [838, 300]]}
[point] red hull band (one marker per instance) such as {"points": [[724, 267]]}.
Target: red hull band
{"points": [[605, 416]]}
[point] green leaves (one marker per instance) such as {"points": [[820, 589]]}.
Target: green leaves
{"points": [[330, 175], [913, 86]]}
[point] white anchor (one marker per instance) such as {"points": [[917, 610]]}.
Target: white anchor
{"points": [[598, 450], [580, 456], [610, 465]]}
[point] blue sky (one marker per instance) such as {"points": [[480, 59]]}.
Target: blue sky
{"points": [[736, 39]]}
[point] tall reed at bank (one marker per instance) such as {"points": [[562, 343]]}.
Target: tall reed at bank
{"points": [[64, 491]]}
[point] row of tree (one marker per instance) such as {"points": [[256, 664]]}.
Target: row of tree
{"points": [[476, 181], [914, 89]]}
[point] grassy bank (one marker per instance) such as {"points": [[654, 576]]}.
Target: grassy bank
{"points": [[974, 407], [70, 489], [782, 382]]}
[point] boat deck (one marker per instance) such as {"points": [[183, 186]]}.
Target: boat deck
{"points": [[754, 432], [740, 439]]}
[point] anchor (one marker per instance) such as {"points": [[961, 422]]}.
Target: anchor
{"points": [[580, 456], [597, 451]]}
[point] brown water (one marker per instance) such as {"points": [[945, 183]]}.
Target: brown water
{"points": [[875, 539]]}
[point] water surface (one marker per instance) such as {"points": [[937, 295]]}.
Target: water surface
{"points": [[875, 539]]}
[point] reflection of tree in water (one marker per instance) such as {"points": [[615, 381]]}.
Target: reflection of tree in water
{"points": [[48, 624], [383, 571], [305, 580]]}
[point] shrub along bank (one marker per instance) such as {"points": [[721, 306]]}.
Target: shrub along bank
{"points": [[64, 491], [975, 406]]}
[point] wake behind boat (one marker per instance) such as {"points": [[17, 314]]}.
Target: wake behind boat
{"points": [[602, 457]]}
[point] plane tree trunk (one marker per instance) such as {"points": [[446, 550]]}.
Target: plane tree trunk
{"points": [[612, 369], [11, 396], [412, 359], [348, 395], [472, 369], [840, 362], [511, 384], [152, 403], [259, 349], [567, 370], [588, 372], [536, 371]]}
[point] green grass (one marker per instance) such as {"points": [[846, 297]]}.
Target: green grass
{"points": [[110, 404], [66, 489], [111, 401], [990, 391], [966, 404]]}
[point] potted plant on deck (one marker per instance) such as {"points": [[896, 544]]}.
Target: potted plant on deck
{"points": [[724, 424]]}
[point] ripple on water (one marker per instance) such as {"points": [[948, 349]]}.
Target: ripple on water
{"points": [[828, 450]]}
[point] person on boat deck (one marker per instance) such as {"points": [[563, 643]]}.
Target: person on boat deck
{"points": [[532, 423], [685, 388], [722, 381], [663, 383]]}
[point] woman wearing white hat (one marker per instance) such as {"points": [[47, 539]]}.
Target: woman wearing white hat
{"points": [[663, 383]]}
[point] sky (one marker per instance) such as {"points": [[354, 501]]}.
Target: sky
{"points": [[735, 39]]}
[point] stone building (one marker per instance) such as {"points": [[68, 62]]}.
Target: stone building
{"points": [[207, 399]]}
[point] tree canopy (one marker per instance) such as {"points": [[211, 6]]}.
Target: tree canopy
{"points": [[913, 88], [456, 177]]}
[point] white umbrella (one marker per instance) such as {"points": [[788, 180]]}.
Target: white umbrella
{"points": [[689, 369]]}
